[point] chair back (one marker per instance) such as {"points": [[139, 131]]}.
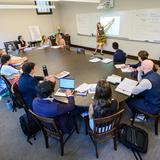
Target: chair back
{"points": [[17, 97], [8, 84], [107, 125], [48, 125]]}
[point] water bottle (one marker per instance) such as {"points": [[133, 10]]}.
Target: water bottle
{"points": [[45, 71]]}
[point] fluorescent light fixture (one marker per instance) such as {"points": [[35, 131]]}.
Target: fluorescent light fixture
{"points": [[87, 1], [26, 7]]}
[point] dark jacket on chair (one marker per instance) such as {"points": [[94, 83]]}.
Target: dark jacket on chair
{"points": [[56, 109]]}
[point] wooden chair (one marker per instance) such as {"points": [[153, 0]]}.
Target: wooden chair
{"points": [[50, 129], [147, 115], [106, 127]]}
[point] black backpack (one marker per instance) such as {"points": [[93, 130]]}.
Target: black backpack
{"points": [[29, 126], [134, 138]]}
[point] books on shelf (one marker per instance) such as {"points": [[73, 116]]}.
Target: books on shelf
{"points": [[62, 74], [126, 86], [114, 79]]}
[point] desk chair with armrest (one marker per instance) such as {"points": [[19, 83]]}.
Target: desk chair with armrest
{"points": [[106, 127], [50, 129]]}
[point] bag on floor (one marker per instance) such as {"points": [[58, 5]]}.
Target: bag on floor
{"points": [[29, 126], [134, 138]]}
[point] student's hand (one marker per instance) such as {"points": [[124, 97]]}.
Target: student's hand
{"points": [[139, 69], [68, 92], [50, 78]]}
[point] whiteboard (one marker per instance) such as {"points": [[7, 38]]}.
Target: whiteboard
{"points": [[142, 25]]}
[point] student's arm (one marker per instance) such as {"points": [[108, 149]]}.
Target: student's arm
{"points": [[107, 26], [145, 84], [91, 111], [63, 108]]}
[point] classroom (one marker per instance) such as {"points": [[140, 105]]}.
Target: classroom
{"points": [[79, 79]]}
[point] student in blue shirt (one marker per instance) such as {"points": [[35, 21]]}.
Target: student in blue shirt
{"points": [[119, 55]]}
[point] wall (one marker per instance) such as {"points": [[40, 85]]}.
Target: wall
{"points": [[68, 13], [16, 22]]}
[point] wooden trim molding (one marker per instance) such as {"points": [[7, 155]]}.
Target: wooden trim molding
{"points": [[111, 53]]}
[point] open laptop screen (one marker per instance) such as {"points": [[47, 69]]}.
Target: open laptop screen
{"points": [[66, 83]]}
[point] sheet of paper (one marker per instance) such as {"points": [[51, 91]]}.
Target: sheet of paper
{"points": [[94, 60], [126, 70], [83, 87], [28, 49], [126, 86], [114, 79], [118, 66], [92, 88], [55, 47], [62, 74], [106, 60]]}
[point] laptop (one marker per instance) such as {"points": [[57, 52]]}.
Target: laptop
{"points": [[64, 84]]}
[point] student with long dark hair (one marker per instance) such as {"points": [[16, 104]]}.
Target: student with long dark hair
{"points": [[103, 105], [21, 43]]}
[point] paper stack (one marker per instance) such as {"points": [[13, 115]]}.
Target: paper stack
{"points": [[114, 79], [126, 86]]}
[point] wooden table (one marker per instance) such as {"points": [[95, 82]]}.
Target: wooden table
{"points": [[80, 69]]}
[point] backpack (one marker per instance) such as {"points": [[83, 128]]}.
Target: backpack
{"points": [[134, 138], [29, 126]]}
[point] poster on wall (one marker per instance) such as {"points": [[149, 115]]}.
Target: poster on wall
{"points": [[35, 33]]}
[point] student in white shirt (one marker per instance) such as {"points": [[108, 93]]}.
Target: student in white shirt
{"points": [[8, 71]]}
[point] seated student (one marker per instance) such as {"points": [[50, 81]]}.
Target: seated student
{"points": [[147, 91], [47, 106], [142, 55], [103, 105], [119, 55], [45, 41], [60, 41], [15, 60], [8, 71], [22, 45], [27, 83]]}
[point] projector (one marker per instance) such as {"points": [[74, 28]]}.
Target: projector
{"points": [[105, 4]]}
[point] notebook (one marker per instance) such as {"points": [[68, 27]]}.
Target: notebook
{"points": [[64, 84]]}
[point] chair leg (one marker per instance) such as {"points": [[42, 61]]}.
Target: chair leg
{"points": [[95, 145], [133, 117], [156, 126], [86, 121], [76, 127], [46, 140], [62, 146], [115, 143]]}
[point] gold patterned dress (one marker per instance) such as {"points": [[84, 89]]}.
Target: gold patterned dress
{"points": [[101, 37]]}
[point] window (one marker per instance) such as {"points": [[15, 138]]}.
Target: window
{"points": [[41, 4]]}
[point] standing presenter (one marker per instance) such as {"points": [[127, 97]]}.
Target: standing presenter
{"points": [[100, 35]]}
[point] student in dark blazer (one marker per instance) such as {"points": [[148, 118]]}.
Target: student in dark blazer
{"points": [[119, 55], [27, 83], [47, 106]]}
